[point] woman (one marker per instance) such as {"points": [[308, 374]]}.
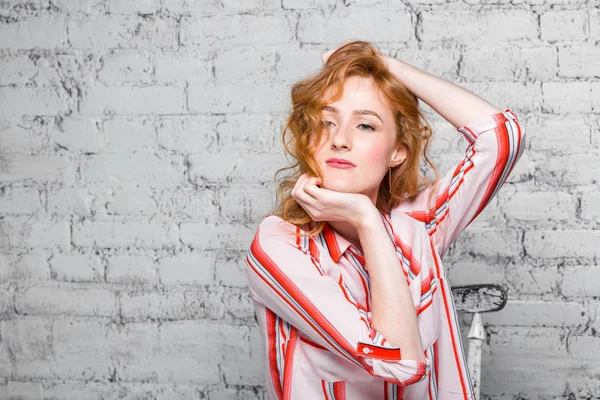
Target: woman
{"points": [[349, 291]]}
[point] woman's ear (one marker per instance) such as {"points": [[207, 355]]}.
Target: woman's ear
{"points": [[398, 156]]}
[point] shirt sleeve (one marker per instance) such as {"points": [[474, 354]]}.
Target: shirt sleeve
{"points": [[495, 144], [285, 274]]}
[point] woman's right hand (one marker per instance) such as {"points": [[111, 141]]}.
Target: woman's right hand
{"points": [[329, 205]]}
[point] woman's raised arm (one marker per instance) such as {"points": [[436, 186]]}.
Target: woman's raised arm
{"points": [[496, 141], [454, 103]]}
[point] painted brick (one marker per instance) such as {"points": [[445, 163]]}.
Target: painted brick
{"points": [[217, 7], [174, 133], [189, 269], [80, 7], [75, 302], [133, 168], [579, 60], [229, 269], [125, 234], [76, 268], [111, 31], [133, 7], [33, 32], [24, 134], [564, 25], [24, 268], [129, 134], [238, 98], [488, 242], [535, 206], [572, 243], [332, 30], [81, 349], [21, 233], [566, 98], [179, 66], [123, 100], [224, 168], [488, 27], [589, 206], [580, 281], [31, 101], [39, 168], [16, 70], [19, 200], [540, 313], [257, 66], [233, 30], [560, 135], [125, 67], [516, 63], [78, 135], [131, 269], [215, 235]]}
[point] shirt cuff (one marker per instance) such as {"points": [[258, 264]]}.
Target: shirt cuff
{"points": [[378, 346], [472, 130]]}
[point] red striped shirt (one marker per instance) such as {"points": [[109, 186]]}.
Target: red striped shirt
{"points": [[312, 300]]}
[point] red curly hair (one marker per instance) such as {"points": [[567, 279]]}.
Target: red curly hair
{"points": [[303, 130]]}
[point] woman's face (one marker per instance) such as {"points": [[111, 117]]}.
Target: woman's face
{"points": [[360, 147]]}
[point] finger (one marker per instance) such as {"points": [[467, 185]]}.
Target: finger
{"points": [[303, 179], [311, 187], [299, 187], [304, 198], [307, 202], [299, 183], [308, 182]]}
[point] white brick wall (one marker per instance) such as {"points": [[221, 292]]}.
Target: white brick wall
{"points": [[138, 142]]}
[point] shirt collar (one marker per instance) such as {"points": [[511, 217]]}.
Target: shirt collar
{"points": [[337, 244]]}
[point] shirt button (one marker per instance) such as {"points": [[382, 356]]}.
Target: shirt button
{"points": [[366, 350]]}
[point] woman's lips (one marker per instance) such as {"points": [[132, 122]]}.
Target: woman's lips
{"points": [[340, 165]]}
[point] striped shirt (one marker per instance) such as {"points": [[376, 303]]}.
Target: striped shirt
{"points": [[312, 299]]}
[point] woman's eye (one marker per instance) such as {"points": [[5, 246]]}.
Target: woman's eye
{"points": [[324, 123], [368, 126]]}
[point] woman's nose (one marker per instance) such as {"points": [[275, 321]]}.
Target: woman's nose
{"points": [[341, 137]]}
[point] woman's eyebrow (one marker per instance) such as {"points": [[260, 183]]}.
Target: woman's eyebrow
{"points": [[361, 112]]}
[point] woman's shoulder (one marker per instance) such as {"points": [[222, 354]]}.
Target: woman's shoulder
{"points": [[274, 225], [402, 215], [275, 235], [405, 225]]}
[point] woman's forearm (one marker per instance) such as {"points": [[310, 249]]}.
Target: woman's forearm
{"points": [[455, 104], [392, 307]]}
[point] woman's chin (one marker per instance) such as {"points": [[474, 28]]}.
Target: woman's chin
{"points": [[337, 186]]}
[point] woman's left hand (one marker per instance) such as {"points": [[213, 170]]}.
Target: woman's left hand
{"points": [[329, 205]]}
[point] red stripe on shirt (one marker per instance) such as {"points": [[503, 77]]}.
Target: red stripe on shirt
{"points": [[289, 362], [454, 348], [331, 243], [339, 390], [272, 352], [502, 159]]}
